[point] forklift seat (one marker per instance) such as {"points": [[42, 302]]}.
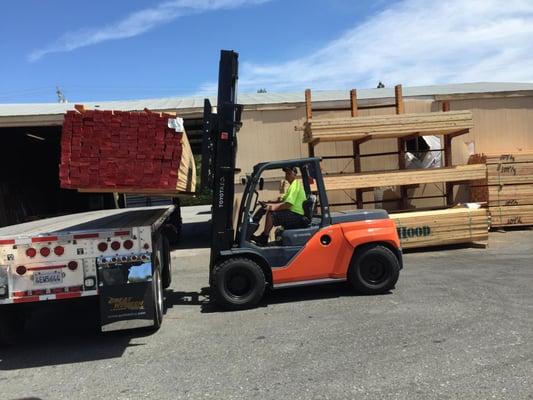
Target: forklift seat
{"points": [[300, 236]]}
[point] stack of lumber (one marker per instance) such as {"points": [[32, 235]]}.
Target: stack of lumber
{"points": [[115, 151], [442, 227], [363, 180], [508, 188], [386, 126]]}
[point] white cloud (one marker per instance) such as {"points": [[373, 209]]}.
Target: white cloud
{"points": [[414, 42], [136, 23]]}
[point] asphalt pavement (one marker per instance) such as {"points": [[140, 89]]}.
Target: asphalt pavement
{"points": [[457, 326]]}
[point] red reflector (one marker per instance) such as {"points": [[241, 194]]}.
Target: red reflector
{"points": [[45, 251], [59, 250], [102, 246], [57, 290], [43, 239], [115, 245], [86, 236], [122, 233], [20, 294], [31, 252], [72, 265], [38, 292], [128, 244], [21, 270], [134, 258], [75, 288], [224, 135], [7, 241]]}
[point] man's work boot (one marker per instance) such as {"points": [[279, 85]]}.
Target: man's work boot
{"points": [[261, 240]]}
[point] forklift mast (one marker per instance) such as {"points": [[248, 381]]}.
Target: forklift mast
{"points": [[219, 152]]}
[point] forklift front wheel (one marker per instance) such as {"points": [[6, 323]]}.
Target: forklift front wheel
{"points": [[375, 269], [238, 283]]}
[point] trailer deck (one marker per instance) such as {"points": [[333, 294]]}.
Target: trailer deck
{"points": [[91, 221]]}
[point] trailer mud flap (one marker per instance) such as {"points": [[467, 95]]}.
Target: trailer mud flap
{"points": [[126, 296]]}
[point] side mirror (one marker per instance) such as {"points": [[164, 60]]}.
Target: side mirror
{"points": [[261, 183]]}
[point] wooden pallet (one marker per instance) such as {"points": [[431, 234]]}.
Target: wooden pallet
{"points": [[442, 227], [386, 126], [457, 173]]}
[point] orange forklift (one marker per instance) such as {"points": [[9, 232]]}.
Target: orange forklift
{"points": [[361, 247]]}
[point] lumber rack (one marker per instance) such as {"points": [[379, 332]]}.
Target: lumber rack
{"points": [[402, 141]]}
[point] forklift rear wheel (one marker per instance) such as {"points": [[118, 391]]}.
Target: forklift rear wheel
{"points": [[238, 283], [374, 270]]}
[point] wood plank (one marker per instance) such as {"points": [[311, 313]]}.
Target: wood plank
{"points": [[457, 173], [441, 227], [511, 216]]}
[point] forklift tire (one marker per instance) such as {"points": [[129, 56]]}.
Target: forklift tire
{"points": [[374, 269], [167, 265], [11, 326], [238, 283]]}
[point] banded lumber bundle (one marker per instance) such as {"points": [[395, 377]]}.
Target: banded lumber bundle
{"points": [[508, 189], [503, 195], [387, 126], [133, 152], [442, 227], [511, 216], [405, 177]]}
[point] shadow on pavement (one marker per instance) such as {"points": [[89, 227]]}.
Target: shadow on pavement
{"points": [[280, 296], [65, 334]]}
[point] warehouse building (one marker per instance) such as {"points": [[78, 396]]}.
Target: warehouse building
{"points": [[29, 184]]}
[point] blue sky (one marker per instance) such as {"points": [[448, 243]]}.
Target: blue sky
{"points": [[108, 50]]}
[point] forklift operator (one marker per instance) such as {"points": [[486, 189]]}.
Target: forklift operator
{"points": [[288, 212]]}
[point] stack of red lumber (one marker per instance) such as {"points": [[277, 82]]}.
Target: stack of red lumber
{"points": [[121, 151]]}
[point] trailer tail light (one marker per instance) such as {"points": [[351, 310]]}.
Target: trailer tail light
{"points": [[31, 252], [73, 265], [59, 250], [21, 270], [102, 246], [128, 244], [45, 251], [146, 246], [115, 245]]}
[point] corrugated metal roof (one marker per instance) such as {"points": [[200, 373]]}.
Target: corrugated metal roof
{"points": [[177, 103]]}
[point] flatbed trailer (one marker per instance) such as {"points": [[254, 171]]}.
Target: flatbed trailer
{"points": [[120, 256]]}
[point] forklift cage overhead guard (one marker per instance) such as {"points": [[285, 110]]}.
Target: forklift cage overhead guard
{"points": [[359, 246]]}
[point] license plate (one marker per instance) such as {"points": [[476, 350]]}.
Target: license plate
{"points": [[40, 278]]}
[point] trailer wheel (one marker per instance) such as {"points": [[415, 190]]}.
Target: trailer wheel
{"points": [[11, 326], [374, 269], [238, 283], [157, 285], [167, 264]]}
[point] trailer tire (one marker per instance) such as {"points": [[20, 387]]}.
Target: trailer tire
{"points": [[157, 285], [167, 263], [238, 283], [374, 269], [11, 326]]}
